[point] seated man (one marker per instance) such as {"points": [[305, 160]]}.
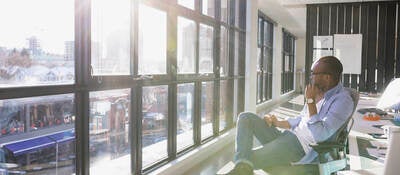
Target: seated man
{"points": [[328, 107]]}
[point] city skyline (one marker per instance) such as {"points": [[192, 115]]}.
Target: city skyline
{"points": [[53, 25]]}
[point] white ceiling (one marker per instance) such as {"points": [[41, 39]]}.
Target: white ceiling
{"points": [[291, 14]]}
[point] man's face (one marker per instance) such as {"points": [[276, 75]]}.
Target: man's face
{"points": [[319, 76]]}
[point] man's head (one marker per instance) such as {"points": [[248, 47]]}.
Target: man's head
{"points": [[326, 72]]}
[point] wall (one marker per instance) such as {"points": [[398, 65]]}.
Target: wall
{"points": [[376, 21], [251, 54]]}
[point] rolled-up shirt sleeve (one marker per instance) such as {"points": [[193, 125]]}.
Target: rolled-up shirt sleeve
{"points": [[293, 122], [323, 125]]}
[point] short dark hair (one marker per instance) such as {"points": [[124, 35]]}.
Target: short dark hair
{"points": [[333, 66]]}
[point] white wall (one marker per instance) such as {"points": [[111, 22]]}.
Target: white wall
{"points": [[251, 57], [300, 64]]}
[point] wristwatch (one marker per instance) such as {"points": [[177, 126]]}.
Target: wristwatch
{"points": [[309, 100]]}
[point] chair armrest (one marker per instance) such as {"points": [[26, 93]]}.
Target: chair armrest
{"points": [[324, 147]]}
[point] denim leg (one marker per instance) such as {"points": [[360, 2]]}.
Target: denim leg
{"points": [[249, 125], [281, 151]]}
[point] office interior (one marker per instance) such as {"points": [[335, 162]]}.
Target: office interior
{"points": [[155, 86]]}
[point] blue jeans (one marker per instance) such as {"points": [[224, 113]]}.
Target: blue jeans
{"points": [[278, 147]]}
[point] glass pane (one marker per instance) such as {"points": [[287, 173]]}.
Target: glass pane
{"points": [[110, 37], [259, 59], [259, 86], [259, 33], [38, 135], [224, 52], [224, 10], [236, 66], [266, 33], [187, 3], [208, 7], [206, 47], [109, 137], [266, 58], [207, 104], [185, 115], [154, 124], [186, 45], [36, 48], [223, 104], [152, 41], [237, 12]]}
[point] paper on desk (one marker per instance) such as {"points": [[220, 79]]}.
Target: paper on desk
{"points": [[378, 153], [379, 144]]}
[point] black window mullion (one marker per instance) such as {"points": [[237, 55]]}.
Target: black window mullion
{"points": [[172, 121], [197, 114], [172, 88], [82, 73], [137, 124], [216, 108], [135, 38]]}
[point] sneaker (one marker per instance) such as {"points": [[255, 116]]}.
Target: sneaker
{"points": [[241, 169]]}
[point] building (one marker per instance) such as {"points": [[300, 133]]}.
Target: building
{"points": [[69, 50], [34, 46]]}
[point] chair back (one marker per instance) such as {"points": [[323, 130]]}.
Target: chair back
{"points": [[344, 131]]}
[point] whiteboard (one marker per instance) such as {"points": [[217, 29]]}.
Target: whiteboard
{"points": [[347, 48], [322, 46], [323, 41]]}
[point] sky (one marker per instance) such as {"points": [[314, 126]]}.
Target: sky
{"points": [[51, 21]]}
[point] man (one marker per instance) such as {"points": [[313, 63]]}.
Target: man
{"points": [[328, 108]]}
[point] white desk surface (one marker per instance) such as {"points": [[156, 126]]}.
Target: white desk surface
{"points": [[361, 128]]}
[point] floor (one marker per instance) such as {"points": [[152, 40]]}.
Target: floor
{"points": [[211, 165]]}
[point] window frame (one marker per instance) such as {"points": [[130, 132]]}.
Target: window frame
{"points": [[85, 82]]}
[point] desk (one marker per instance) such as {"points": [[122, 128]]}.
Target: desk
{"points": [[360, 164]]}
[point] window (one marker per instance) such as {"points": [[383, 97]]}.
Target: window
{"points": [[152, 40], [36, 48], [109, 131], [110, 34], [224, 104], [185, 117], [208, 7], [264, 58], [207, 96], [187, 3], [288, 62], [154, 123], [224, 53], [224, 10], [139, 87], [186, 45], [37, 116], [206, 49]]}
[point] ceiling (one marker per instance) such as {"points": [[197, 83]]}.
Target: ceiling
{"points": [[291, 14]]}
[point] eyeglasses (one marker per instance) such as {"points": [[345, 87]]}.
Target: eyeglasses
{"points": [[318, 73]]}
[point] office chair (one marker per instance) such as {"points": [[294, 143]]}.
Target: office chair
{"points": [[335, 147]]}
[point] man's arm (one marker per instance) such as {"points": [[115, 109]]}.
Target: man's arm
{"points": [[322, 127], [271, 120]]}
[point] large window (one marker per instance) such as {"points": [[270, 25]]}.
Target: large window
{"points": [[264, 58], [116, 86], [288, 50]]}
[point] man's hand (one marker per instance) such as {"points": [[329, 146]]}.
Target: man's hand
{"points": [[270, 120], [312, 91]]}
